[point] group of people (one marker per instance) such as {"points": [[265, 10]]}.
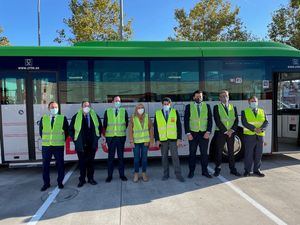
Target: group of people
{"points": [[165, 132]]}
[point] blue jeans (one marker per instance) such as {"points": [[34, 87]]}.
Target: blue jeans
{"points": [[140, 151]]}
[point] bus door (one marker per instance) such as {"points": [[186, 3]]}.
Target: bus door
{"points": [[288, 111], [14, 117], [44, 90]]}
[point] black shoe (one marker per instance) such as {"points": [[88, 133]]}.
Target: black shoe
{"points": [[108, 179], [165, 178], [92, 182], [180, 178], [259, 174], [45, 187], [81, 183], [207, 175], [235, 173], [60, 186], [246, 174], [191, 174], [217, 172], [123, 178]]}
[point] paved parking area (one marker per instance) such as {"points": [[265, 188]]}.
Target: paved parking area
{"points": [[274, 199]]}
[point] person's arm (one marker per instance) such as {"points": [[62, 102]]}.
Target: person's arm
{"points": [[151, 131], [265, 124], [156, 136], [187, 119], [245, 122], [217, 119], [209, 119], [71, 127], [126, 118], [236, 121], [130, 130], [66, 127], [100, 125], [179, 126], [41, 127]]}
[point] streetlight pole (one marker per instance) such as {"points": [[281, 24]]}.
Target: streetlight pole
{"points": [[39, 23], [121, 20]]}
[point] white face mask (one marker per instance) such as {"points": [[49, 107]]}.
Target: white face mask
{"points": [[140, 111], [117, 104], [86, 109], [54, 111], [166, 107], [253, 105]]}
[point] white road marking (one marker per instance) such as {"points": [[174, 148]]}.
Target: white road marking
{"points": [[41, 211], [262, 209]]}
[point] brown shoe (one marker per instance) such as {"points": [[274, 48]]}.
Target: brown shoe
{"points": [[145, 178], [135, 177]]}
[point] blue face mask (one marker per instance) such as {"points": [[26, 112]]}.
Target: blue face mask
{"points": [[54, 111], [166, 107], [117, 104], [253, 105]]}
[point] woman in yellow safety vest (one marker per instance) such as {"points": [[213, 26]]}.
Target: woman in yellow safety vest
{"points": [[140, 136]]}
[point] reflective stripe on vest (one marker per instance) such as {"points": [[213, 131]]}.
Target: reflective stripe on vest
{"points": [[141, 134], [256, 121], [53, 136], [116, 125], [226, 119], [198, 123], [78, 123], [166, 130]]}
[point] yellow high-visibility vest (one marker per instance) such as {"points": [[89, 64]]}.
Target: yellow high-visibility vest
{"points": [[256, 121], [116, 125], [226, 119], [53, 136], [198, 123], [78, 123], [166, 130], [141, 134]]}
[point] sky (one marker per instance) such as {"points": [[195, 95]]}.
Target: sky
{"points": [[151, 19]]}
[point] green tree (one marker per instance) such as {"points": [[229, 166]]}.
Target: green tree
{"points": [[3, 40], [210, 20], [285, 25], [93, 20]]}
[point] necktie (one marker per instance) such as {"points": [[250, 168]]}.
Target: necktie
{"points": [[116, 112], [52, 121], [226, 109], [87, 121], [255, 112], [198, 110], [167, 115]]}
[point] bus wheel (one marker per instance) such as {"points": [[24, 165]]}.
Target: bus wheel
{"points": [[238, 147]]}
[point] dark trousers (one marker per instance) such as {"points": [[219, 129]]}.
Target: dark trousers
{"points": [[253, 152], [115, 144], [165, 146], [58, 153], [86, 163], [221, 140], [198, 140]]}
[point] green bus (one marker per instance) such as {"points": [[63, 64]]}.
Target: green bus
{"points": [[31, 77]]}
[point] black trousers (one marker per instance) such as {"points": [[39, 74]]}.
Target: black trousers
{"points": [[221, 140], [86, 163], [115, 144], [198, 140], [48, 153]]}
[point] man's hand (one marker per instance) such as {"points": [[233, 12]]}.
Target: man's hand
{"points": [[179, 143], [190, 137], [157, 143], [206, 135]]}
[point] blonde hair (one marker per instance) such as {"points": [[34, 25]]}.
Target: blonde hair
{"points": [[136, 112]]}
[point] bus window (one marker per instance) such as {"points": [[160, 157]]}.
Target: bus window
{"points": [[175, 79], [115, 77], [76, 87], [12, 91], [242, 78]]}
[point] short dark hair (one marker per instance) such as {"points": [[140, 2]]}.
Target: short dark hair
{"points": [[166, 99], [85, 102], [197, 92], [113, 98], [223, 91], [51, 103]]}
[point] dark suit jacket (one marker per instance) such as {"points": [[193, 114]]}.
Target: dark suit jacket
{"points": [[105, 120], [220, 125], [178, 125], [250, 126], [187, 119], [87, 136]]}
